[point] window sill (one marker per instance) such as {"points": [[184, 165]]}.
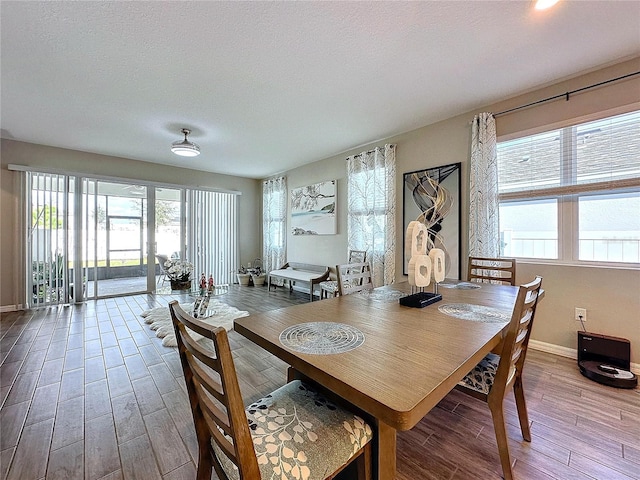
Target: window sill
{"points": [[561, 263]]}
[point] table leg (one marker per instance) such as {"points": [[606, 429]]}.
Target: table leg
{"points": [[384, 462]]}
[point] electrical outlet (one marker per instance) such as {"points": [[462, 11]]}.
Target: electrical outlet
{"points": [[581, 312]]}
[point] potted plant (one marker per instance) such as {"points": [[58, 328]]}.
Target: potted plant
{"points": [[258, 276], [243, 276], [179, 273]]}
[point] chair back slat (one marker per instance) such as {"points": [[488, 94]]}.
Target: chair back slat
{"points": [[211, 422], [516, 340], [354, 277], [201, 353], [516, 354], [522, 332], [222, 442], [194, 349], [211, 386], [492, 270], [357, 256]]}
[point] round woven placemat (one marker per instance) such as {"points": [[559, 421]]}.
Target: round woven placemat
{"points": [[461, 285], [383, 296], [477, 313], [321, 338]]}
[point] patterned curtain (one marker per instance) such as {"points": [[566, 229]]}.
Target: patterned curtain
{"points": [[484, 225], [371, 219], [274, 217]]}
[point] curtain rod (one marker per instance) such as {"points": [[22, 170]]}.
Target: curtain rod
{"points": [[566, 94], [391, 145]]}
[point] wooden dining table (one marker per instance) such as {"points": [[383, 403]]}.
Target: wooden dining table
{"points": [[409, 360]]}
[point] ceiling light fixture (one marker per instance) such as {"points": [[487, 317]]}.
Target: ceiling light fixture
{"points": [[544, 4], [185, 148]]}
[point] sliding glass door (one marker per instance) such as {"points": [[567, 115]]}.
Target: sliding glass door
{"points": [[108, 238], [115, 253]]}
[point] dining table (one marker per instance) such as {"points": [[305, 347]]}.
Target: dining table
{"points": [[400, 361]]}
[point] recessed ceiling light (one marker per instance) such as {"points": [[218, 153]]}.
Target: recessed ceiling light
{"points": [[185, 148], [544, 4]]}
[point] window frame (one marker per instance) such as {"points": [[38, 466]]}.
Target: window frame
{"points": [[568, 203]]}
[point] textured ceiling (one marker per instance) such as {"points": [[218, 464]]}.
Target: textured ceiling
{"points": [[268, 86]]}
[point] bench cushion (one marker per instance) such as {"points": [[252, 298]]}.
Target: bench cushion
{"points": [[296, 275]]}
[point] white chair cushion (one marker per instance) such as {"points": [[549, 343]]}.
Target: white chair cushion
{"points": [[297, 433], [482, 376]]}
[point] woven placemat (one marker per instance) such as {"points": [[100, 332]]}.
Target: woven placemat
{"points": [[477, 313], [382, 296], [321, 338], [460, 285]]}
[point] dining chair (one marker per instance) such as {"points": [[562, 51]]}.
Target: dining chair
{"points": [[294, 432], [492, 270], [354, 277], [495, 374], [163, 273], [331, 286]]}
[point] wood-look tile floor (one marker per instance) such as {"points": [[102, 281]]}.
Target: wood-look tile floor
{"points": [[88, 391]]}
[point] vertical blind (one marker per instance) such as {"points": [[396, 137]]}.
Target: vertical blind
{"points": [[49, 238], [212, 240], [588, 157]]}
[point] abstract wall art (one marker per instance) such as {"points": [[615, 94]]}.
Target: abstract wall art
{"points": [[432, 197]]}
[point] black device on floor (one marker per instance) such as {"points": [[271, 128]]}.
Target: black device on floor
{"points": [[606, 360]]}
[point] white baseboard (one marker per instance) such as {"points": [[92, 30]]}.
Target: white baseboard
{"points": [[567, 352]]}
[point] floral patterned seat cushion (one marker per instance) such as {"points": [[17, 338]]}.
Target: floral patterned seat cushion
{"points": [[482, 376], [329, 285], [299, 434]]}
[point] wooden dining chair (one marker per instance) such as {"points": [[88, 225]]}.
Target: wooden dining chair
{"points": [[294, 432], [495, 374], [492, 270], [354, 277], [331, 286]]}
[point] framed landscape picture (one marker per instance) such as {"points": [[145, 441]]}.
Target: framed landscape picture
{"points": [[313, 209], [432, 196]]}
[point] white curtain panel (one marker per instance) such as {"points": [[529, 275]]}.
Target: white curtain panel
{"points": [[371, 205], [274, 217], [484, 225]]}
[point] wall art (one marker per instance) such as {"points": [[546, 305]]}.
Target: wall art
{"points": [[432, 196], [313, 209]]}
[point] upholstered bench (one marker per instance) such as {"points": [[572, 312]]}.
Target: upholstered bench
{"points": [[301, 273]]}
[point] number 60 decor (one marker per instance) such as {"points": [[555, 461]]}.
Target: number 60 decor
{"points": [[422, 266]]}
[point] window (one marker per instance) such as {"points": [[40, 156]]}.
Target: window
{"points": [[371, 198], [573, 194]]}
